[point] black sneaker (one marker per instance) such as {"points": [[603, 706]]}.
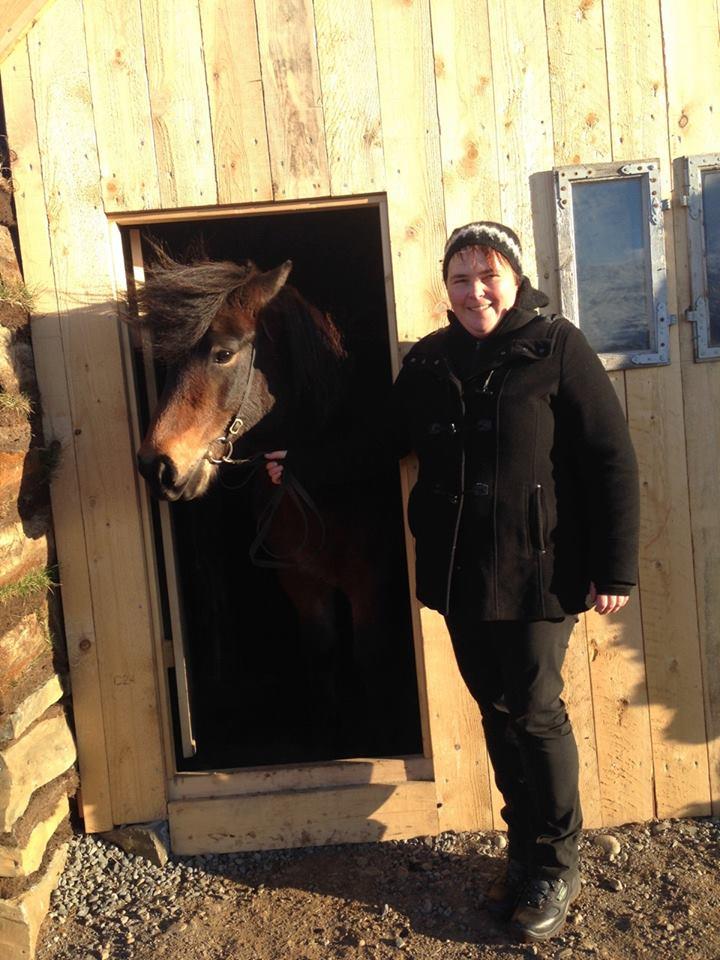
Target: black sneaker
{"points": [[504, 892], [543, 905]]}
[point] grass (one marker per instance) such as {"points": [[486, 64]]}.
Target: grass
{"points": [[16, 402], [32, 583], [16, 294]]}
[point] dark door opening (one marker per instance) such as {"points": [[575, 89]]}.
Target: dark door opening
{"points": [[253, 697]]}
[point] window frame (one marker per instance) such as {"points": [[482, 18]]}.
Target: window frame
{"points": [[648, 171], [699, 310]]}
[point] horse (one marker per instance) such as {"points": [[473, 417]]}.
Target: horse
{"points": [[251, 366]]}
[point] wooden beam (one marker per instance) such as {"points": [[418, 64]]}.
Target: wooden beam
{"points": [[359, 814], [17, 17]]}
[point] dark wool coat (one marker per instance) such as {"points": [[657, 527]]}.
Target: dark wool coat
{"points": [[527, 488]]}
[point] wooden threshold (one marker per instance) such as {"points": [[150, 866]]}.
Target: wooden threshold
{"points": [[274, 779], [352, 814]]}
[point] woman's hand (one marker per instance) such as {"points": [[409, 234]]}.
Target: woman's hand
{"points": [[273, 467], [606, 603]]}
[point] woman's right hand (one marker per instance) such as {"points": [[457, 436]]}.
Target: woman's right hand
{"points": [[274, 467]]}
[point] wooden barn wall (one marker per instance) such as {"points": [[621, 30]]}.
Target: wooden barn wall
{"points": [[456, 109]]}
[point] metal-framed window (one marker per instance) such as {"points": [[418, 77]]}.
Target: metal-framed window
{"points": [[611, 254], [702, 201]]}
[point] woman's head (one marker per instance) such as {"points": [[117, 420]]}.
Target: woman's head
{"points": [[482, 271]]}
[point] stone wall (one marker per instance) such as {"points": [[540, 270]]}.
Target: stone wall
{"points": [[37, 750]]}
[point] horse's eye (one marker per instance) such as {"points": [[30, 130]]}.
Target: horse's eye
{"points": [[223, 356]]}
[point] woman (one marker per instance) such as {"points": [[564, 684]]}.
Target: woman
{"points": [[525, 513]]}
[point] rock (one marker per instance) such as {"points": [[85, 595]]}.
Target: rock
{"points": [[614, 884], [21, 917], [499, 841], [565, 954], [147, 840], [31, 708], [17, 861], [609, 844], [43, 753]]}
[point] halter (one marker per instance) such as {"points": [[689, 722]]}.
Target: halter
{"points": [[235, 425], [289, 485]]}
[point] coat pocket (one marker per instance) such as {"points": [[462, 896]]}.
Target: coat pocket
{"points": [[537, 524]]}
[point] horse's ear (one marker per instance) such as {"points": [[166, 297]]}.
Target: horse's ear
{"points": [[267, 285]]}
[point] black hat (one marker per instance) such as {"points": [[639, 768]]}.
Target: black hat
{"points": [[485, 233]]}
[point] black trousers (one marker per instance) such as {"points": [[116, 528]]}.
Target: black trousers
{"points": [[512, 669]]}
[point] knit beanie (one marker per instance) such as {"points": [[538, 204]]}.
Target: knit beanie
{"points": [[485, 233]]}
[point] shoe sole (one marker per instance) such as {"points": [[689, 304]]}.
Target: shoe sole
{"points": [[541, 938]]}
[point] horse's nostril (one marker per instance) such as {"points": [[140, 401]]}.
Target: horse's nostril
{"points": [[156, 470]]}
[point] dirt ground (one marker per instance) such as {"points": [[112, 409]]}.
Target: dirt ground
{"points": [[657, 897]]}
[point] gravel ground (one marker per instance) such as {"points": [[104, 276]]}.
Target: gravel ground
{"points": [[649, 890]]}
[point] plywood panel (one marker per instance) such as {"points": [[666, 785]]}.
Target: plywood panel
{"points": [[179, 102], [121, 105], [351, 106], [304, 818], [57, 426], [413, 173], [293, 100], [91, 348], [466, 110], [694, 127], [237, 109], [523, 121], [636, 84]]}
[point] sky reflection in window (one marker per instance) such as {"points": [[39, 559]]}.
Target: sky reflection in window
{"points": [[613, 289], [711, 217]]}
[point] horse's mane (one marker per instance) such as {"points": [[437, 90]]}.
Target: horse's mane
{"points": [[178, 302]]}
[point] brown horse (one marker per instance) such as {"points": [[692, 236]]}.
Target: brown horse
{"points": [[253, 367]]}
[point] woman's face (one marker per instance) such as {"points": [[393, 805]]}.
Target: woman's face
{"points": [[481, 292]]}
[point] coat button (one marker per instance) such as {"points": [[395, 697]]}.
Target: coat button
{"points": [[452, 428], [453, 499]]}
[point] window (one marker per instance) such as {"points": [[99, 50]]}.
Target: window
{"points": [[612, 259], [702, 200]]}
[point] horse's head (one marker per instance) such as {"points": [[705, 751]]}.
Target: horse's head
{"points": [[203, 320]]}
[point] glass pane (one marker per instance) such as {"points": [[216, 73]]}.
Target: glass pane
{"points": [[711, 216], [614, 301]]}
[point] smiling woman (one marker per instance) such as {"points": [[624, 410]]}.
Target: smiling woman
{"points": [[525, 513]]}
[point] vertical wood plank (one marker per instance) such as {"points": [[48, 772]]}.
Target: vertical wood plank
{"points": [[694, 127], [237, 108], [578, 81], [622, 717], [348, 77], [466, 109], [413, 172], [179, 102], [460, 760], [581, 133], [91, 345], [57, 426], [654, 401], [417, 234], [293, 101], [121, 105], [523, 119]]}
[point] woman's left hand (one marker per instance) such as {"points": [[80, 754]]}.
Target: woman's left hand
{"points": [[606, 602]]}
